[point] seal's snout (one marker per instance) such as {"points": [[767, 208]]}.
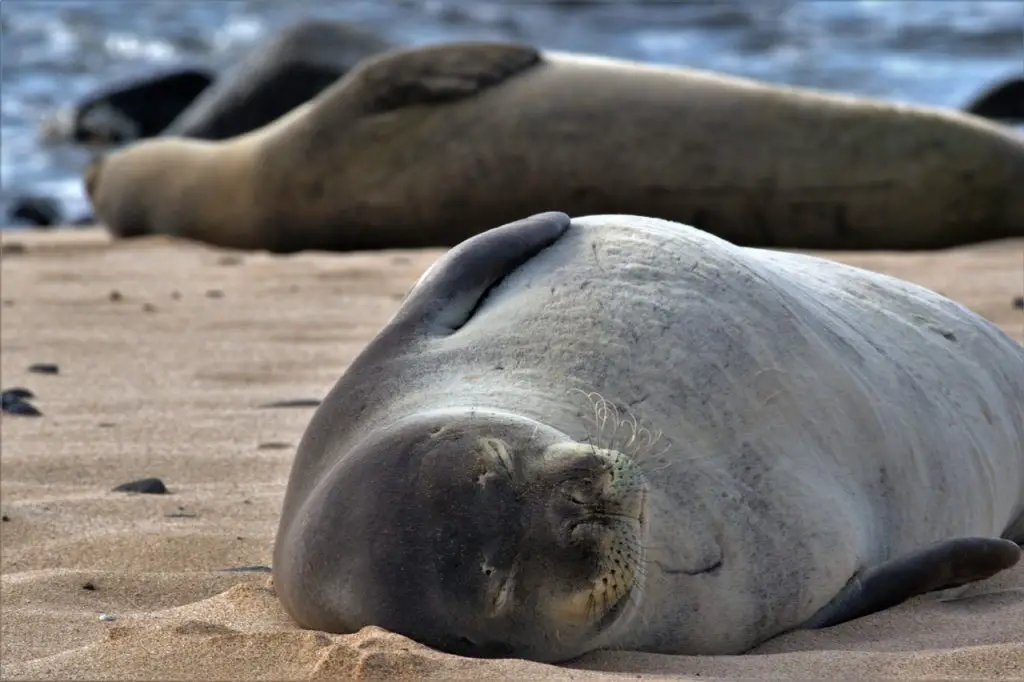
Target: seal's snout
{"points": [[596, 517], [582, 500], [596, 486]]}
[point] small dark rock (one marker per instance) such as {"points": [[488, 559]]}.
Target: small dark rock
{"points": [[116, 295], [1018, 303], [18, 393], [8, 303], [148, 308], [214, 293], [22, 408], [274, 445], [44, 368], [106, 425], [299, 402], [11, 248], [229, 260], [147, 486], [5, 518], [13, 401], [89, 586], [35, 211], [181, 515], [175, 295]]}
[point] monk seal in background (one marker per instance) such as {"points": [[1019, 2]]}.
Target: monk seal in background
{"points": [[622, 432], [1002, 101], [298, 63], [428, 146]]}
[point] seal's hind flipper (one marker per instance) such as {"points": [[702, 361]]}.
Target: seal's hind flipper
{"points": [[436, 73], [450, 290], [945, 564]]}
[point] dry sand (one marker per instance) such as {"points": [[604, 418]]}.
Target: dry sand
{"points": [[166, 378]]}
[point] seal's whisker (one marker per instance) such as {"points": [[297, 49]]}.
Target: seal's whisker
{"points": [[618, 515], [638, 428], [644, 457], [637, 568], [655, 438], [636, 545], [591, 612], [618, 428], [600, 412], [632, 434], [644, 434], [616, 417]]}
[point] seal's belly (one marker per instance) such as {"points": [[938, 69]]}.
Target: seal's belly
{"points": [[890, 398]]}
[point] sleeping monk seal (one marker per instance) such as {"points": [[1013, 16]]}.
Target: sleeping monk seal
{"points": [[299, 62], [131, 108], [624, 432], [431, 145]]}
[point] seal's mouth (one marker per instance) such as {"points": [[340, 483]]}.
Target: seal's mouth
{"points": [[615, 538]]}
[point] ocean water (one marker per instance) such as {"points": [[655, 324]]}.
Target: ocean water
{"points": [[53, 52]]}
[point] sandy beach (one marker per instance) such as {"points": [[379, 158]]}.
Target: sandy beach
{"points": [[168, 354]]}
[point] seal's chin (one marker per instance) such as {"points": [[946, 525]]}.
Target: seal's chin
{"points": [[606, 598]]}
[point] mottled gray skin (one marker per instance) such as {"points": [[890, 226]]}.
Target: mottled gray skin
{"points": [[428, 146], [822, 427]]}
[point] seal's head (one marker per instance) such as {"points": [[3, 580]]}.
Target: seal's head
{"points": [[184, 188], [118, 185], [481, 534]]}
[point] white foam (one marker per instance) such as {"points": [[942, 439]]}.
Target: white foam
{"points": [[131, 47]]}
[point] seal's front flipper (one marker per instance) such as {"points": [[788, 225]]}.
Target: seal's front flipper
{"points": [[449, 291], [945, 564], [435, 73]]}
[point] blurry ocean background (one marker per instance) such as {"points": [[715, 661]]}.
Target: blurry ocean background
{"points": [[54, 52]]}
